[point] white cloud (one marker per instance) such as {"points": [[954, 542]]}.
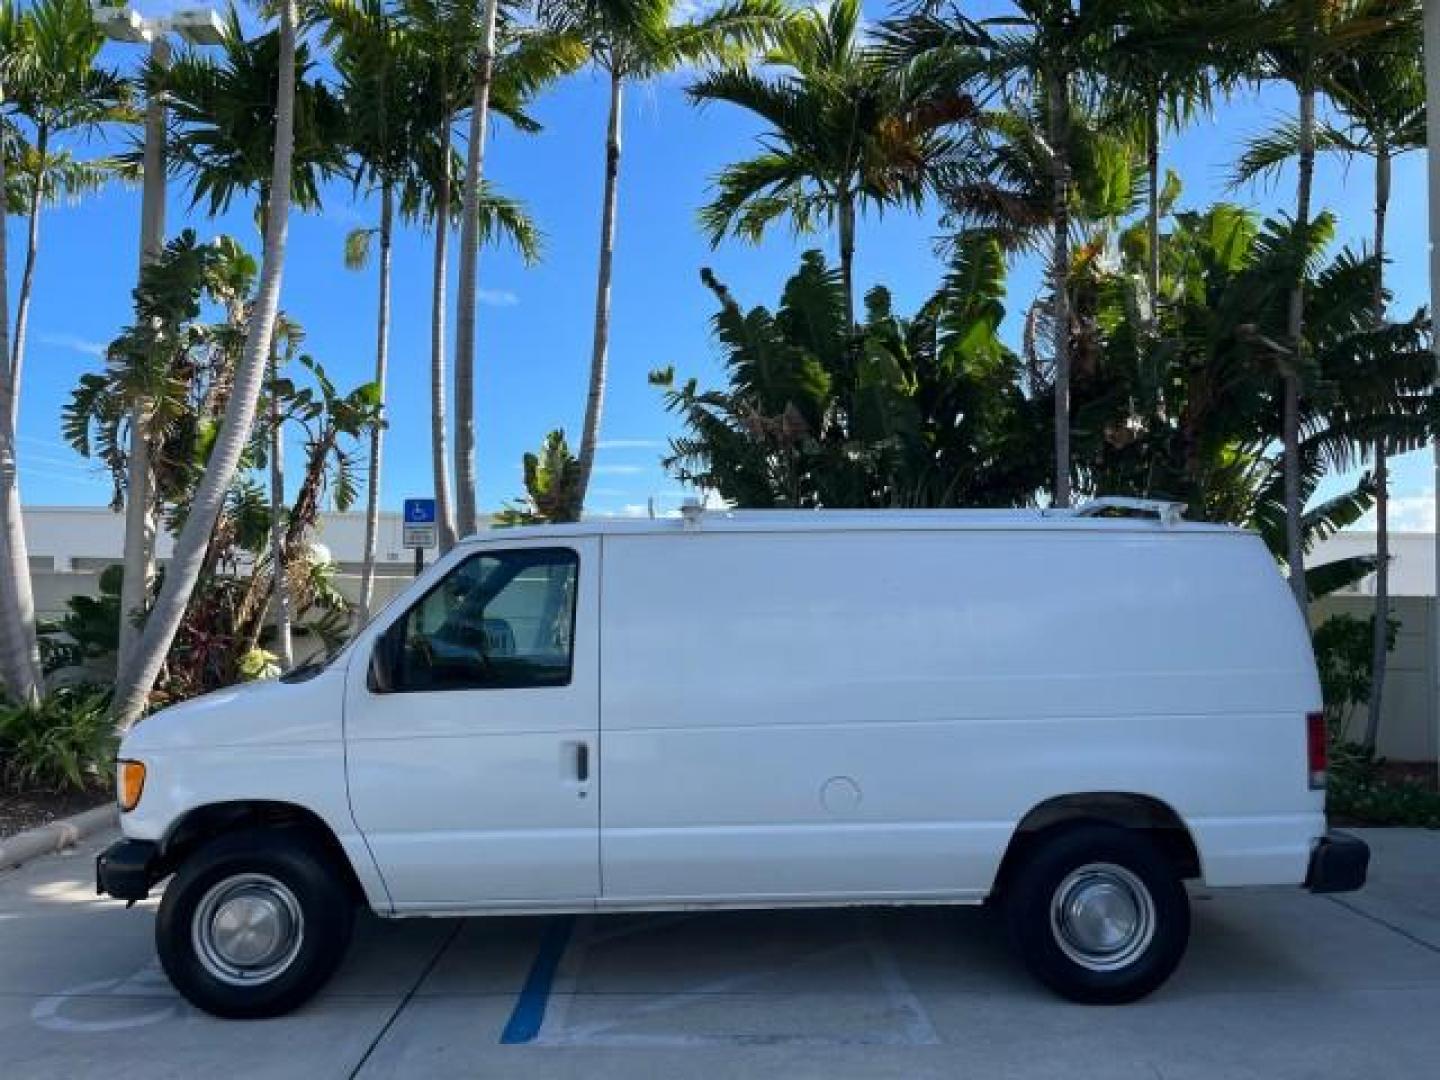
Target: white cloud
{"points": [[1408, 513], [1413, 513], [72, 342], [497, 297], [630, 444], [617, 470], [346, 215]]}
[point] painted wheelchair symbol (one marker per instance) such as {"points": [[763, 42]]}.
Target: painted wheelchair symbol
{"points": [[135, 1001]]}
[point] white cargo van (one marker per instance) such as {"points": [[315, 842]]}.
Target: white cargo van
{"points": [[1070, 713]]}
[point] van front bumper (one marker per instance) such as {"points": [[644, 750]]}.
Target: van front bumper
{"points": [[1338, 863], [127, 869]]}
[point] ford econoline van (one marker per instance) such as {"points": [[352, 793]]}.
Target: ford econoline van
{"points": [[1068, 713]]}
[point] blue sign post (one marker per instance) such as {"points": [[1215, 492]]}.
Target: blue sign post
{"points": [[418, 529]]}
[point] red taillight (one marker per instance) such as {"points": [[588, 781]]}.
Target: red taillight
{"points": [[1315, 748]]}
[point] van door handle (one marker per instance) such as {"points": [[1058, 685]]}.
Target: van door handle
{"points": [[582, 761]]}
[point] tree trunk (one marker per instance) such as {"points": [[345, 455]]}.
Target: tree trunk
{"points": [[139, 556], [439, 420], [134, 683], [466, 520], [1379, 650], [280, 579], [599, 354], [19, 654], [1059, 104], [846, 215], [382, 363], [27, 277], [1290, 433], [1152, 216]]}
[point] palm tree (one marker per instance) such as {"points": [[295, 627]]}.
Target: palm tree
{"points": [[224, 132], [1302, 43], [1380, 93], [134, 682], [427, 198], [388, 83], [62, 90], [19, 652], [448, 38], [1049, 52], [439, 28], [1162, 71], [379, 81], [284, 651], [483, 70], [225, 126], [846, 133], [631, 41], [1002, 188]]}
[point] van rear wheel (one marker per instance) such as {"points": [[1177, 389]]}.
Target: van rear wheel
{"points": [[253, 924], [1098, 914]]}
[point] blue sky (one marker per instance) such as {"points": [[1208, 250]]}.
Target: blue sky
{"points": [[535, 323]]}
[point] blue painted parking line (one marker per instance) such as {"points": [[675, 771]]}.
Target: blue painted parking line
{"points": [[529, 1012]]}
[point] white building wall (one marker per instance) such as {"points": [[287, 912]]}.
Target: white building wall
{"points": [[1412, 561], [82, 537]]}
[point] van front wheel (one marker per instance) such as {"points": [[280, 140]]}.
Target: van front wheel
{"points": [[253, 924], [1098, 914]]}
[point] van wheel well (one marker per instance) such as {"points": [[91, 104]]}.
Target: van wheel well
{"points": [[1126, 809], [204, 823]]}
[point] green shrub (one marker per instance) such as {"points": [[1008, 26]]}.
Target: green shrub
{"points": [[89, 629], [1343, 647], [1357, 791], [67, 742]]}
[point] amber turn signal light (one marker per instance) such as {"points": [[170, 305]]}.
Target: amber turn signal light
{"points": [[131, 784]]}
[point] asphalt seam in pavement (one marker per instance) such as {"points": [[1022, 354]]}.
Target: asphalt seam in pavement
{"points": [[404, 1001], [1406, 934]]}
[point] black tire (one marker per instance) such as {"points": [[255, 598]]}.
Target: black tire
{"points": [[256, 860], [1075, 862]]}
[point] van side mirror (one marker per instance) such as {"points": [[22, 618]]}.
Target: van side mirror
{"points": [[381, 676]]}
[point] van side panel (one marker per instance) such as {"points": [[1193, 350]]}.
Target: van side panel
{"points": [[868, 714]]}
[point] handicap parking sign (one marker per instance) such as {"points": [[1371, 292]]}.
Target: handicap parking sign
{"points": [[419, 524]]}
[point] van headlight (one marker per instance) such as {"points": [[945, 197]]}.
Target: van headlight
{"points": [[129, 784]]}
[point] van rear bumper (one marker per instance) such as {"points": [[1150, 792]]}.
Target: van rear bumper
{"points": [[1338, 863], [127, 869]]}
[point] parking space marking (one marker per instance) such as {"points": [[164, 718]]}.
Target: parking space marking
{"points": [[555, 1029], [140, 990], [1387, 924], [405, 1001], [529, 1013], [902, 998]]}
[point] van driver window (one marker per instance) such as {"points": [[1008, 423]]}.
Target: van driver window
{"points": [[497, 621]]}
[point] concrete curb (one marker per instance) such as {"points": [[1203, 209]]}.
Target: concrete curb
{"points": [[57, 836]]}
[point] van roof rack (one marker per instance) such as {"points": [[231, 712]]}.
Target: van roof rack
{"points": [[1168, 511]]}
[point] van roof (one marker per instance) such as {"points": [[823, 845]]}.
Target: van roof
{"points": [[693, 519]]}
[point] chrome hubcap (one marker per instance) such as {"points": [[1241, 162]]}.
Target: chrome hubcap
{"points": [[1102, 916], [247, 929]]}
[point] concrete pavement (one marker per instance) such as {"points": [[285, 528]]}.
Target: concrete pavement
{"points": [[1277, 984]]}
